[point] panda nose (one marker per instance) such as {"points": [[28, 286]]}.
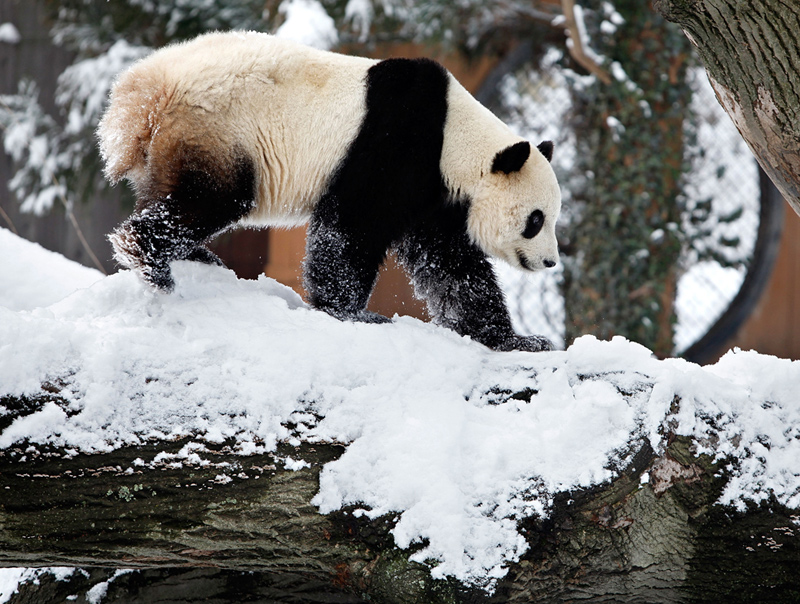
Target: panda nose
{"points": [[549, 263]]}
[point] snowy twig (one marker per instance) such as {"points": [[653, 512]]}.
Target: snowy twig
{"points": [[8, 220], [59, 192], [76, 226], [576, 48]]}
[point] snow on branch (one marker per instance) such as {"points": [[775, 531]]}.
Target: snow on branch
{"points": [[307, 21], [30, 136], [578, 41], [9, 34], [49, 152], [83, 86], [459, 442]]}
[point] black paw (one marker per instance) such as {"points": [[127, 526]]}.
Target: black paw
{"points": [[366, 316], [527, 343], [159, 277], [363, 316]]}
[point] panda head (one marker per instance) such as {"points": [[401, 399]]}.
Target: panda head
{"points": [[515, 206]]}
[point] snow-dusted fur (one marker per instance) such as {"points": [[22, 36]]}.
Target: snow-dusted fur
{"points": [[248, 128], [294, 109]]}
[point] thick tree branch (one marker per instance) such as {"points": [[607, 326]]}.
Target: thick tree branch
{"points": [[751, 51], [140, 508], [653, 534]]}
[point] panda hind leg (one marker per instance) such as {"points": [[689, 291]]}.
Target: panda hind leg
{"points": [[176, 226], [146, 243]]}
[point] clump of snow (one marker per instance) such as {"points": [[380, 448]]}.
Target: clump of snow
{"points": [[307, 22], [9, 33], [432, 436], [619, 74], [98, 592], [617, 128], [12, 578], [359, 13], [295, 464], [31, 276]]}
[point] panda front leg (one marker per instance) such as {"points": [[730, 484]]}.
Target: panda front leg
{"points": [[341, 265], [458, 283]]}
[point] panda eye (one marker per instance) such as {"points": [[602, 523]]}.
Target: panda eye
{"points": [[534, 224]]}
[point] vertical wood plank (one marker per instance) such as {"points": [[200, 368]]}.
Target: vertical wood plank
{"points": [[774, 326]]}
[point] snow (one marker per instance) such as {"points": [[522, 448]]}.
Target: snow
{"points": [[307, 22], [98, 592], [11, 578], [359, 13], [430, 438], [32, 277], [9, 33]]}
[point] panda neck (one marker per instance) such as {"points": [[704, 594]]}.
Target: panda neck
{"points": [[472, 137]]}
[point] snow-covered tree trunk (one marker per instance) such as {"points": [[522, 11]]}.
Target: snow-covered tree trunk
{"points": [[652, 535], [227, 429], [751, 51]]}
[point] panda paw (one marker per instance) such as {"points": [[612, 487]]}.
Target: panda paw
{"points": [[159, 277], [363, 316], [526, 343], [366, 316]]}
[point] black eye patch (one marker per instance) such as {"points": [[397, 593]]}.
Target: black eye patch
{"points": [[534, 224]]}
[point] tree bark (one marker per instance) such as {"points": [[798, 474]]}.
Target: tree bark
{"points": [[242, 528], [124, 509], [751, 51]]}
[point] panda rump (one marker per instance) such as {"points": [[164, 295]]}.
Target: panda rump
{"points": [[246, 128]]}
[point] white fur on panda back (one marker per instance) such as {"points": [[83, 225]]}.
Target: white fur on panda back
{"points": [[295, 109]]}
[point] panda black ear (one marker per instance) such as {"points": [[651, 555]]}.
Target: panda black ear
{"points": [[546, 148], [511, 159]]}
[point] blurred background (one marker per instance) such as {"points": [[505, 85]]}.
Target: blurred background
{"points": [[670, 234]]}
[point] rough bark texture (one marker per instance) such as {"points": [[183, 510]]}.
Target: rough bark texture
{"points": [[242, 514], [751, 51], [195, 536]]}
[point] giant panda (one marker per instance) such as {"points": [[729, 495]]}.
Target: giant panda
{"points": [[378, 156]]}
